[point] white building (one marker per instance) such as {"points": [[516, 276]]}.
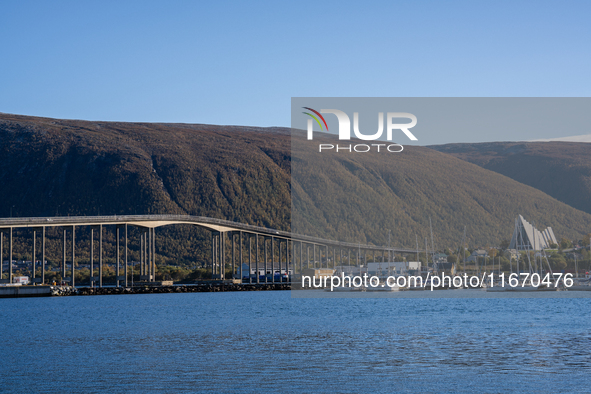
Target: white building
{"points": [[527, 237]]}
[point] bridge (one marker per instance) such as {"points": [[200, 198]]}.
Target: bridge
{"points": [[294, 249]]}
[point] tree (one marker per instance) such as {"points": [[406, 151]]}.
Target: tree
{"points": [[565, 243], [557, 261], [492, 252]]}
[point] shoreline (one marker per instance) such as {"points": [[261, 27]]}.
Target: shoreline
{"points": [[67, 291]]}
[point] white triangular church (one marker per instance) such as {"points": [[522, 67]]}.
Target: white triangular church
{"points": [[527, 237]]}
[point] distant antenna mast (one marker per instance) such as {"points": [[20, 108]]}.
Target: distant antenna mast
{"points": [[417, 241], [464, 247], [426, 253], [432, 243], [389, 250]]}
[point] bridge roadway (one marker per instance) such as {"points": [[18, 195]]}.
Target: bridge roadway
{"points": [[218, 227]]}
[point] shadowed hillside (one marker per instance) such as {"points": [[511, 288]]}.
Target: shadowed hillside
{"points": [[560, 169], [62, 167]]}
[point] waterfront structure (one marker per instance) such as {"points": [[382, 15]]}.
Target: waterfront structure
{"points": [[527, 237]]}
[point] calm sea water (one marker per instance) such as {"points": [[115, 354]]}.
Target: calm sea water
{"points": [[270, 342]]}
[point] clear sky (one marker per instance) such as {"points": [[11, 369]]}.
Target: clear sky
{"points": [[240, 63]]}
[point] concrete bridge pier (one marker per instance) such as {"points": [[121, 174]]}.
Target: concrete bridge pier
{"points": [[33, 257], [273, 260], [141, 254], [10, 258], [213, 254], [265, 255], [9, 275], [118, 255], [100, 256], [241, 256], [91, 275], [256, 237], [43, 255], [1, 255], [64, 255], [249, 258], [73, 256]]}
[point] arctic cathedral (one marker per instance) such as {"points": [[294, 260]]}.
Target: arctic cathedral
{"points": [[527, 237]]}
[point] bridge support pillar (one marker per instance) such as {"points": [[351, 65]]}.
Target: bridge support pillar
{"points": [[273, 261], [10, 258], [146, 254], [280, 256], [150, 256], [43, 256], [64, 256], [142, 256], [91, 278], [249, 258], [241, 257], [117, 273], [257, 258], [34, 254], [1, 254], [73, 256], [153, 254], [125, 254], [222, 256], [265, 263], [100, 256], [213, 250], [233, 254]]}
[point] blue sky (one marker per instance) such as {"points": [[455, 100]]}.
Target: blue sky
{"points": [[241, 62]]}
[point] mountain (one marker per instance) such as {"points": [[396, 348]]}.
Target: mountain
{"points": [[574, 138], [66, 167], [360, 196], [71, 167], [559, 169]]}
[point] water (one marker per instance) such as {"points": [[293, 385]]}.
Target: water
{"points": [[271, 342]]}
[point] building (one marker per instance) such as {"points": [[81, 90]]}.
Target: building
{"points": [[527, 237], [392, 268], [477, 254], [262, 271], [318, 272], [511, 254], [350, 270], [440, 258]]}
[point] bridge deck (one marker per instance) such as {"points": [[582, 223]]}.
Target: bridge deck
{"points": [[154, 221]]}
